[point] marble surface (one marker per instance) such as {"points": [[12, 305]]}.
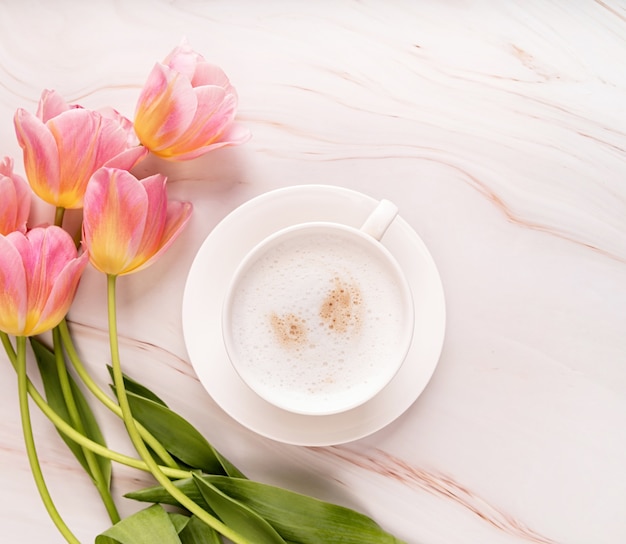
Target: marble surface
{"points": [[500, 130]]}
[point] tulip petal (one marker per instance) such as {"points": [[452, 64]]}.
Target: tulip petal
{"points": [[112, 139], [178, 214], [85, 141], [234, 134], [213, 118], [13, 287], [185, 107], [23, 199], [6, 167], [156, 200], [165, 108], [209, 74], [46, 254], [50, 105], [61, 154], [128, 159], [129, 223], [39, 273], [61, 295], [41, 260], [123, 122], [8, 206], [77, 153], [184, 59], [41, 156], [115, 214], [215, 110], [157, 212], [15, 197]]}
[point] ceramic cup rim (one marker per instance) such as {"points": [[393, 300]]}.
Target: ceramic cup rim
{"points": [[393, 364]]}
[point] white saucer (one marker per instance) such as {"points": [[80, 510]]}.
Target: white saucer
{"points": [[208, 280]]}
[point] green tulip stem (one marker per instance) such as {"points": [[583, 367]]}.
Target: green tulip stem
{"points": [[8, 347], [156, 446], [59, 213], [77, 437], [135, 437], [95, 470], [22, 386]]}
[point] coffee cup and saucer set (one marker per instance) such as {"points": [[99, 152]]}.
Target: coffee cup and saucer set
{"points": [[314, 315]]}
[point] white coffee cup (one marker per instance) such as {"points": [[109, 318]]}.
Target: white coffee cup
{"points": [[318, 317]]}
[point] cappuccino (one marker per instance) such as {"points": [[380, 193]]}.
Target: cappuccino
{"points": [[318, 320]]}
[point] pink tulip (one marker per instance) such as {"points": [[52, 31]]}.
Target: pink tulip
{"points": [[39, 275], [14, 199], [64, 145], [187, 108], [128, 223]]}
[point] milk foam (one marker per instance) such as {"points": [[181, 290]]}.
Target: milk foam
{"points": [[317, 317]]}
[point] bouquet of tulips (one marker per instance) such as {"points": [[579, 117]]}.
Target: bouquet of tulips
{"points": [[75, 158]]}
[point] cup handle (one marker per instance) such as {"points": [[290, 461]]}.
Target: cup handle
{"points": [[379, 220]]}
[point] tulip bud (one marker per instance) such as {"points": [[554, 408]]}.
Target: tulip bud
{"points": [[187, 107], [39, 275], [128, 223]]}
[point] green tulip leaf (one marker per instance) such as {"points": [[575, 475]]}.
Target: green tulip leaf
{"points": [[147, 526], [296, 517], [302, 518], [54, 396], [176, 434], [198, 532], [179, 521], [237, 515], [135, 387], [158, 494]]}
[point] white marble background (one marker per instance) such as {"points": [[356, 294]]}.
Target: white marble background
{"points": [[499, 128]]}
